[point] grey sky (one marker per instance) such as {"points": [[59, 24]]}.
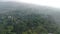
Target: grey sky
{"points": [[52, 3], [6, 0]]}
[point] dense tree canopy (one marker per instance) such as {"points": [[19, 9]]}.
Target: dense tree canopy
{"points": [[22, 23]]}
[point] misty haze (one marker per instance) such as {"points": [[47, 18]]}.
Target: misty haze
{"points": [[28, 18]]}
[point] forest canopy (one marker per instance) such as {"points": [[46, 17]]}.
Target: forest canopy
{"points": [[21, 18], [18, 22]]}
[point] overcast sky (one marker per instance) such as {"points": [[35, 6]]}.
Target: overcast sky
{"points": [[51, 3]]}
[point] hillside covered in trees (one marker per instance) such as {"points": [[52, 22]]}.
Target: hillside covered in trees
{"points": [[18, 22], [26, 19]]}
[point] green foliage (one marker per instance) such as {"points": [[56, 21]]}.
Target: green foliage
{"points": [[26, 24]]}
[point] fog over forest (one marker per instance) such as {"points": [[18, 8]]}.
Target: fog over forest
{"points": [[20, 18], [12, 6]]}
